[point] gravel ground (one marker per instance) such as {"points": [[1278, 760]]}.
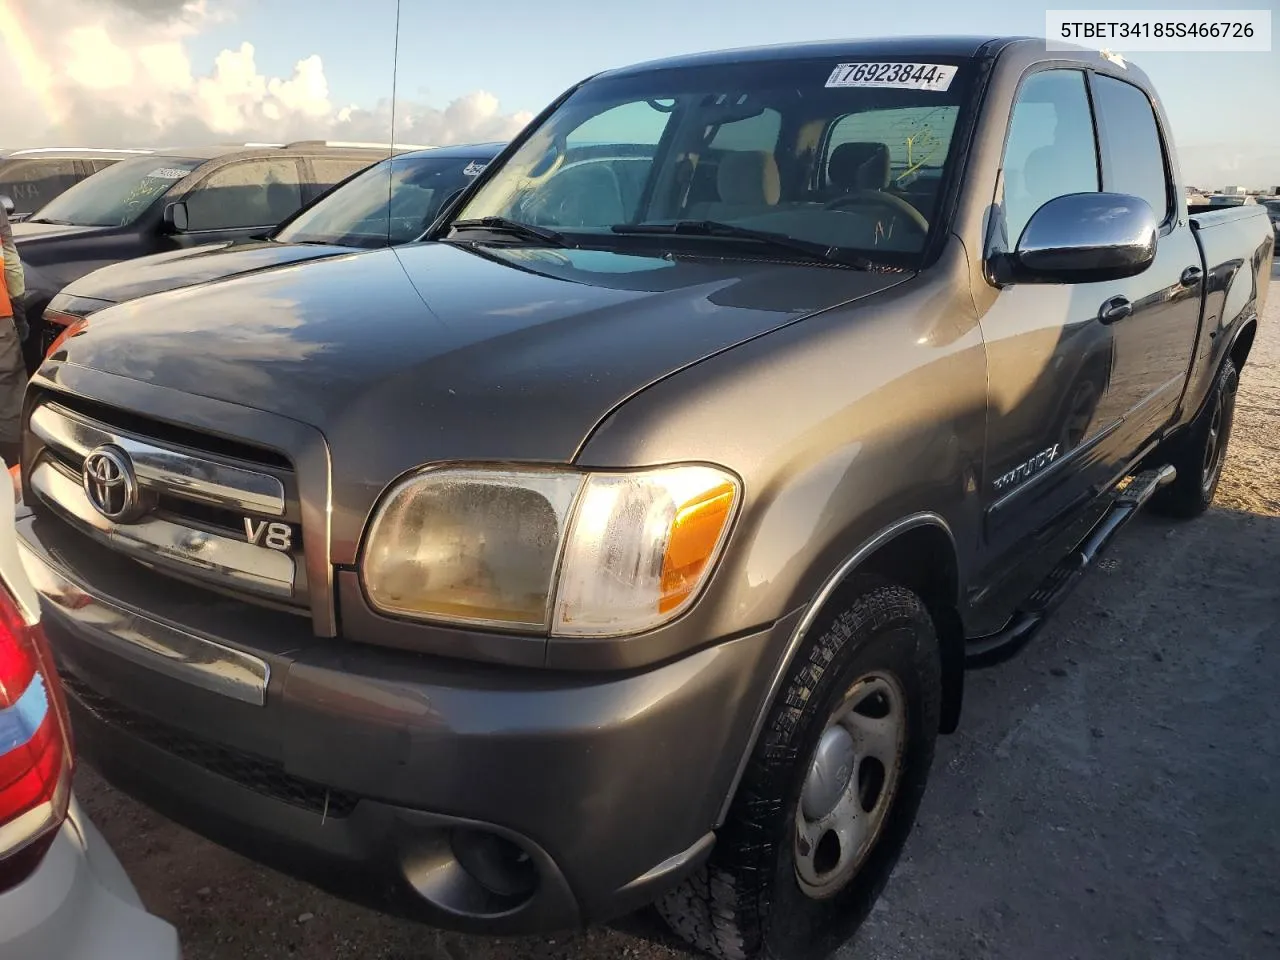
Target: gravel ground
{"points": [[1114, 792]]}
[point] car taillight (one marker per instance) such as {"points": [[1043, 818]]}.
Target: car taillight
{"points": [[35, 746]]}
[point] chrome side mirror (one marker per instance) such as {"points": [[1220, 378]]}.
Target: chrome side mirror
{"points": [[1086, 238]]}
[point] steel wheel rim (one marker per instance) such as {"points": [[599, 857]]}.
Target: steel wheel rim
{"points": [[850, 785], [1213, 448]]}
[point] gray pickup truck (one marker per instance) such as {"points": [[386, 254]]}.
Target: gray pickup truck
{"points": [[627, 540]]}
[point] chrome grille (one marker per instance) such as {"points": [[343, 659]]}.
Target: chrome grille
{"points": [[196, 508]]}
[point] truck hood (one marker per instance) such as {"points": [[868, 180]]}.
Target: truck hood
{"points": [[436, 351], [182, 268]]}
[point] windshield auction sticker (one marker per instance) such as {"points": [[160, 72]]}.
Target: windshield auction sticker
{"points": [[1129, 31], [902, 76], [167, 173]]}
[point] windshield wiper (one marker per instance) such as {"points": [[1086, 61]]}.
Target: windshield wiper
{"points": [[514, 227], [718, 228], [58, 223]]}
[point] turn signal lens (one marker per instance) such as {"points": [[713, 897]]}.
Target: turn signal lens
{"points": [[695, 535]]}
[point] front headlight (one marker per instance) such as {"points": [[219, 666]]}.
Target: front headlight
{"points": [[576, 554]]}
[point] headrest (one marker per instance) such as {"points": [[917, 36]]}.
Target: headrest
{"points": [[1038, 172], [749, 178], [859, 166]]}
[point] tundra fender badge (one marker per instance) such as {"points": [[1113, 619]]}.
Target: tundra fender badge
{"points": [[1025, 471]]}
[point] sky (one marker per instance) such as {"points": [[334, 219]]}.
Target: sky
{"points": [[153, 72]]}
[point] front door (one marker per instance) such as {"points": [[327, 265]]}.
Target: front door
{"points": [[1057, 427], [1048, 358]]}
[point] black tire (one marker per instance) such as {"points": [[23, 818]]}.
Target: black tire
{"points": [[1198, 454], [747, 902]]}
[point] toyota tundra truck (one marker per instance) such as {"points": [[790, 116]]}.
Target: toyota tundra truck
{"points": [[627, 539]]}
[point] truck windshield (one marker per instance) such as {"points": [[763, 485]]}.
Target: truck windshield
{"points": [[356, 213], [118, 195], [833, 155]]}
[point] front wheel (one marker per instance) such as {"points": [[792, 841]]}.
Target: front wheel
{"points": [[831, 790]]}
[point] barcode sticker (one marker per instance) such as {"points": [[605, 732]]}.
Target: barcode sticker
{"points": [[903, 76], [167, 173]]}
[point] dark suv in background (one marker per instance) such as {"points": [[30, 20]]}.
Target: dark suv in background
{"points": [[390, 203], [167, 201], [32, 178]]}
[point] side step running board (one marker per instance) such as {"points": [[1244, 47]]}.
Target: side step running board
{"points": [[1134, 492]]}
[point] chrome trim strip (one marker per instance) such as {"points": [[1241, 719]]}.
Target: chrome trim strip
{"points": [[167, 544], [162, 468], [319, 565], [199, 661], [811, 611]]}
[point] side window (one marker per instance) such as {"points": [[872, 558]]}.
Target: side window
{"points": [[1132, 155], [100, 164], [1051, 149], [251, 193], [33, 183], [330, 171]]}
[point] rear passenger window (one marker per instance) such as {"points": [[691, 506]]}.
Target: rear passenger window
{"points": [[1132, 156], [331, 171], [1051, 150], [251, 193]]}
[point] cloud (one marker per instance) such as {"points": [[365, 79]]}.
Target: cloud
{"points": [[1215, 165], [118, 73]]}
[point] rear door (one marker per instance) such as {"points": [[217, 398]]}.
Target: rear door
{"points": [[241, 199], [1153, 345]]}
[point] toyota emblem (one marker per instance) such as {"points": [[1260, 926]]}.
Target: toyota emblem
{"points": [[110, 484]]}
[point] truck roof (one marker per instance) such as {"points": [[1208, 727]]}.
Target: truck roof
{"points": [[924, 46], [487, 150], [217, 150], [61, 153]]}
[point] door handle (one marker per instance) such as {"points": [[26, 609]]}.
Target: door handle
{"points": [[1191, 276], [1117, 308]]}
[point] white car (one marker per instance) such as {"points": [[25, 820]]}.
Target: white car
{"points": [[63, 893]]}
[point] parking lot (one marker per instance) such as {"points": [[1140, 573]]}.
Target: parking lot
{"points": [[1112, 793]]}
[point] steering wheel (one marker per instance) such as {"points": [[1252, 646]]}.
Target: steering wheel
{"points": [[889, 201]]}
